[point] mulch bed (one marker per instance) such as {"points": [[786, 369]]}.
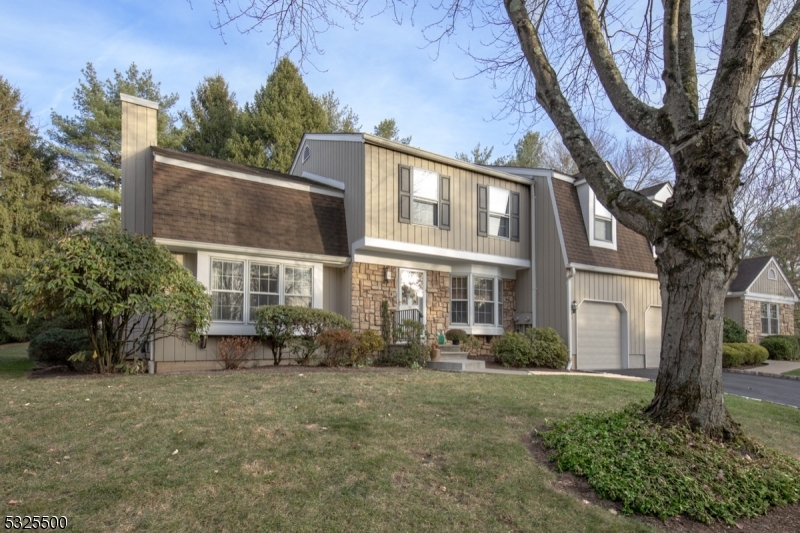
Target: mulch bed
{"points": [[779, 520]]}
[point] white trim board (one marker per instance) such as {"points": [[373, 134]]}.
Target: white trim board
{"points": [[385, 245], [138, 101], [189, 246], [166, 160], [322, 179], [758, 297], [616, 271], [558, 221]]}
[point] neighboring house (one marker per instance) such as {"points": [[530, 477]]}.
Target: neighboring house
{"points": [[362, 220], [761, 299]]}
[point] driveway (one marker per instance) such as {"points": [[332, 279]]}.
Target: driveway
{"points": [[776, 390]]}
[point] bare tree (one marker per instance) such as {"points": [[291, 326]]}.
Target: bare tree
{"points": [[704, 86]]}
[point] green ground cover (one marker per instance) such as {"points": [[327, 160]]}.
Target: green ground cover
{"points": [[389, 450]]}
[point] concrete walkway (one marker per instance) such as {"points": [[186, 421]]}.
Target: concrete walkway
{"points": [[523, 372], [773, 367]]}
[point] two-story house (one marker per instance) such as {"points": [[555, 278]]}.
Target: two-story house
{"points": [[361, 220]]}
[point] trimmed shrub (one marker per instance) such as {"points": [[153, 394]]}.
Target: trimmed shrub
{"points": [[513, 349], [55, 346], [297, 327], [368, 342], [337, 346], [472, 344], [732, 331], [549, 350], [232, 352], [782, 347], [456, 335], [741, 353], [413, 354]]}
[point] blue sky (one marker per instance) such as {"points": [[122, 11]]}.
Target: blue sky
{"points": [[380, 69]]}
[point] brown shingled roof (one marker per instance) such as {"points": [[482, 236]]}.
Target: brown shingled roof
{"points": [[198, 206], [633, 251]]}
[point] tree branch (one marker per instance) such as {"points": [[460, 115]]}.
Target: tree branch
{"points": [[787, 32], [631, 208], [640, 117]]}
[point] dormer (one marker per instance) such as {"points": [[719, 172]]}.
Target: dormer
{"points": [[659, 193], [600, 224]]}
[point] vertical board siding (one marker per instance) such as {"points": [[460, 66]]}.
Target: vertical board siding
{"points": [[333, 289], [552, 307], [636, 294], [182, 350], [734, 309], [139, 132], [764, 285], [381, 207], [342, 161]]}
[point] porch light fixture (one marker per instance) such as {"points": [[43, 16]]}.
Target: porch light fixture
{"points": [[574, 307], [387, 273]]}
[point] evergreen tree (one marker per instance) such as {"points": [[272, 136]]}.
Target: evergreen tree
{"points": [[211, 120], [31, 206], [387, 128], [340, 119], [528, 152], [478, 155], [270, 128], [88, 143]]}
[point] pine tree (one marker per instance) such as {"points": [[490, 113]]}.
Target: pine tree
{"points": [[340, 119], [211, 120], [387, 128], [88, 143], [271, 127], [528, 152], [30, 200]]}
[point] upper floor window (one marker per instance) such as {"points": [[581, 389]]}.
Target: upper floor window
{"points": [[423, 197], [603, 225], [498, 213], [770, 319], [772, 274]]}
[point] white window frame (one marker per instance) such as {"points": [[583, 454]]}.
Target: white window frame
{"points": [[496, 327], [466, 301], [770, 307], [423, 200], [247, 327], [772, 274], [496, 214], [250, 292], [600, 213], [243, 292]]}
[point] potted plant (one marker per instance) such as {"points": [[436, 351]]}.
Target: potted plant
{"points": [[457, 336]]}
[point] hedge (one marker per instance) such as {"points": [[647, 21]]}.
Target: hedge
{"points": [[782, 347], [740, 353], [732, 331]]}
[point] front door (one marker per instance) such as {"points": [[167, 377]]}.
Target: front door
{"points": [[411, 295]]}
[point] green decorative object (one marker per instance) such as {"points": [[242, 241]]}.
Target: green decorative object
{"points": [[441, 339]]}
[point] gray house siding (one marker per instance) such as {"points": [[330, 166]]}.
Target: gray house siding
{"points": [[764, 285], [734, 309], [138, 135], [342, 161]]}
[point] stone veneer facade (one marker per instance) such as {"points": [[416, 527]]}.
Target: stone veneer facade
{"points": [[370, 288], [752, 320]]}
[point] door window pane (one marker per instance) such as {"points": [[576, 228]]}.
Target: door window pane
{"points": [[412, 289]]}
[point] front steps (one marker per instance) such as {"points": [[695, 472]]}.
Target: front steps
{"points": [[452, 359]]}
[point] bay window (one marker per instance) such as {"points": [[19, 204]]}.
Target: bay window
{"points": [[476, 300]]}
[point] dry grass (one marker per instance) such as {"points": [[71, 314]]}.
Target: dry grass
{"points": [[320, 451]]}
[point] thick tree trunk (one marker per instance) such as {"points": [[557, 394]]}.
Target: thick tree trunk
{"points": [[697, 254]]}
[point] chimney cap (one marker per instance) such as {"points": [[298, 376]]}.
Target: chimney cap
{"points": [[138, 101]]}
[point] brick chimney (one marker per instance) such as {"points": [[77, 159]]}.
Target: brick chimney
{"points": [[139, 133]]}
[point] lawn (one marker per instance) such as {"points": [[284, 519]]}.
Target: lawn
{"points": [[14, 360], [792, 373], [389, 450]]}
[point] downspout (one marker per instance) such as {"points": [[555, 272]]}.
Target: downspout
{"points": [[151, 361], [570, 275]]}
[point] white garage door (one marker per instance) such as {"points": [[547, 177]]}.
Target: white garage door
{"points": [[599, 338], [652, 337]]}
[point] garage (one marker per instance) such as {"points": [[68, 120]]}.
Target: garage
{"points": [[599, 333], [652, 337]]}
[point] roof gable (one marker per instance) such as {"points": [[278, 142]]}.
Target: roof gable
{"points": [[752, 276]]}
